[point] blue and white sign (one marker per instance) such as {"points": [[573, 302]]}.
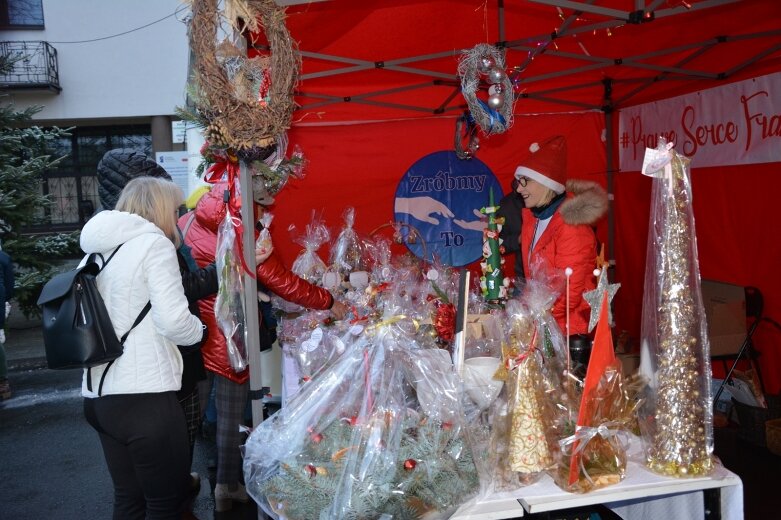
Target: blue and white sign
{"points": [[175, 163], [441, 196]]}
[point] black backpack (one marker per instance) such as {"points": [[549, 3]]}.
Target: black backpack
{"points": [[77, 329]]}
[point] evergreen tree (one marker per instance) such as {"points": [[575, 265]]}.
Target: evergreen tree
{"points": [[23, 158]]}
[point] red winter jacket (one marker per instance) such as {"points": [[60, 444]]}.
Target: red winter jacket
{"points": [[568, 241], [201, 236]]}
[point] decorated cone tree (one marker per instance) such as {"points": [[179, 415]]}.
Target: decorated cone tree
{"points": [[528, 448], [602, 356], [492, 281], [675, 351], [595, 456]]}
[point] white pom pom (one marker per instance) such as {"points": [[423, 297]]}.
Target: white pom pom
{"points": [[432, 275], [568, 271], [597, 272], [534, 147]]}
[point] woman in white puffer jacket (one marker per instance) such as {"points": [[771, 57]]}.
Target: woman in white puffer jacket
{"points": [[140, 423]]}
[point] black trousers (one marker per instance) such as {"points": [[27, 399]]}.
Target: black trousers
{"points": [[145, 443]]}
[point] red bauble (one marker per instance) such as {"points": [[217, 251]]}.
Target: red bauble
{"points": [[352, 421], [316, 437], [410, 464], [311, 470]]}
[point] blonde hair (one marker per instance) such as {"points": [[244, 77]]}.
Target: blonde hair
{"points": [[547, 197], [157, 200]]}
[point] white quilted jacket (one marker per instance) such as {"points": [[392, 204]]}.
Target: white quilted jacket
{"points": [[144, 269]]}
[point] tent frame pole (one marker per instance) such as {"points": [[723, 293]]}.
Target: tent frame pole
{"points": [[251, 323], [608, 109]]}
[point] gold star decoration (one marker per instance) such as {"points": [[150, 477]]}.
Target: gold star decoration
{"points": [[594, 299]]}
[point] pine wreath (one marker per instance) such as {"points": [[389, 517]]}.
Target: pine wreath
{"points": [[226, 82]]}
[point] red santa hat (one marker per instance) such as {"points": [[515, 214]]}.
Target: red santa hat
{"points": [[546, 164]]}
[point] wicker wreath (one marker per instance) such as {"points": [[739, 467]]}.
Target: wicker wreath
{"points": [[225, 82], [495, 115]]}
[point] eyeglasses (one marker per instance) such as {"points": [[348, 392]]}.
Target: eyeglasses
{"points": [[523, 181]]}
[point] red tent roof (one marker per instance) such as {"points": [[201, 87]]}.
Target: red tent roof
{"points": [[379, 60]]}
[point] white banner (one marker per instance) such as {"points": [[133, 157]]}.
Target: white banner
{"points": [[175, 163], [739, 123]]}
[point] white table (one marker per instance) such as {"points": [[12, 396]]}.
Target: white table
{"points": [[641, 495]]}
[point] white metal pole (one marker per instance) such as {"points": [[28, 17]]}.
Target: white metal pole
{"points": [[251, 327]]}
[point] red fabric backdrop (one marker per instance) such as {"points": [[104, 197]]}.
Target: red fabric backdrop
{"points": [[360, 165]]}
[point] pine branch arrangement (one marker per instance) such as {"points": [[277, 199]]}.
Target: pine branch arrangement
{"points": [[352, 471]]}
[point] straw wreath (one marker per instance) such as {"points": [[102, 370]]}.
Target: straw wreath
{"points": [[225, 82]]}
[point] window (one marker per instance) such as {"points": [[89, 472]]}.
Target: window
{"points": [[72, 184], [21, 14]]}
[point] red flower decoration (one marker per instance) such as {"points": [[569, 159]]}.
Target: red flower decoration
{"points": [[445, 321]]}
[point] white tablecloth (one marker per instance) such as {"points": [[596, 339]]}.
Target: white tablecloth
{"points": [[642, 495]]}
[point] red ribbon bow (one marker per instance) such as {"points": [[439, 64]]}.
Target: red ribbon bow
{"points": [[230, 165]]}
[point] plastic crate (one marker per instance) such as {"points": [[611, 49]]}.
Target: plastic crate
{"points": [[753, 418]]}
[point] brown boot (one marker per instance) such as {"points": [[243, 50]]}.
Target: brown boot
{"points": [[5, 390]]}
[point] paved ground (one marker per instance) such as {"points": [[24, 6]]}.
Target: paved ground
{"points": [[24, 347]]}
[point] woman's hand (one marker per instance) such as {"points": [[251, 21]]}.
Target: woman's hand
{"points": [[262, 253], [339, 310]]}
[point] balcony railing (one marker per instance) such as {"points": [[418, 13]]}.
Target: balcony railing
{"points": [[33, 66]]}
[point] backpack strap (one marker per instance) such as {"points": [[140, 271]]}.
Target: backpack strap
{"points": [[92, 257], [189, 223], [139, 319], [104, 262]]}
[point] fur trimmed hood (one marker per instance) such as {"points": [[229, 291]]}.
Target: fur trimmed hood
{"points": [[586, 204]]}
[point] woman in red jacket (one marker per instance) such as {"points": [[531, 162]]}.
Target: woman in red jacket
{"points": [[557, 231], [200, 233]]}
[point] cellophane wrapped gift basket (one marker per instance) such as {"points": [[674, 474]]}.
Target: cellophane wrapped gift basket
{"points": [[511, 370], [377, 434]]}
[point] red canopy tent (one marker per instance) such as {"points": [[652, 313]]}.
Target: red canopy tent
{"points": [[379, 89]]}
